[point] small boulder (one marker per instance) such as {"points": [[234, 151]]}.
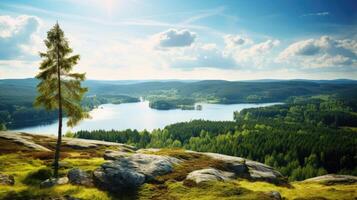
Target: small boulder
{"points": [[262, 172], [274, 195], [209, 174], [78, 177], [52, 182], [62, 181], [118, 178], [6, 179]]}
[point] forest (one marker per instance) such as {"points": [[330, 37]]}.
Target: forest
{"points": [[16, 105], [304, 138]]}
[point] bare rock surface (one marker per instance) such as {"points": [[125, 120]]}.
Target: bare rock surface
{"points": [[29, 141], [86, 143], [254, 170], [331, 179], [22, 139], [79, 177], [114, 155], [132, 171], [80, 144], [52, 182], [6, 179], [209, 174]]}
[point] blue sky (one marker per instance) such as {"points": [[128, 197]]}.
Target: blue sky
{"points": [[181, 39]]}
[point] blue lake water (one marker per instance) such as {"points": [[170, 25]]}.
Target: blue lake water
{"points": [[140, 116]]}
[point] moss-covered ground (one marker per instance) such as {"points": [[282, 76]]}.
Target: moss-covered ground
{"points": [[30, 168]]}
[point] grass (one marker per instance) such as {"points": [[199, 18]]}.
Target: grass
{"points": [[305, 190], [19, 166], [29, 172], [243, 189], [20, 192], [204, 191], [85, 164]]}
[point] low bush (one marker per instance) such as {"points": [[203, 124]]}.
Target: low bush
{"points": [[38, 176]]}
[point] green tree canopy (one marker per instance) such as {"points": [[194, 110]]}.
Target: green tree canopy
{"points": [[59, 88], [57, 57]]}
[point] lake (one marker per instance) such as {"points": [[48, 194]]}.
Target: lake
{"points": [[140, 116]]}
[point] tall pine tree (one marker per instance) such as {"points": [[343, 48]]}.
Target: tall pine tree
{"points": [[59, 88]]}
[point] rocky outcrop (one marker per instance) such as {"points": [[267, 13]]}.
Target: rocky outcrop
{"points": [[248, 169], [52, 182], [84, 143], [6, 179], [22, 139], [33, 142], [78, 177], [235, 164], [262, 172], [332, 179], [114, 155], [80, 145], [132, 171], [209, 174]]}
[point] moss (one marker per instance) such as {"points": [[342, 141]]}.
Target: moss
{"points": [[210, 190], [154, 192], [19, 166], [305, 190], [55, 192], [29, 172], [84, 164]]}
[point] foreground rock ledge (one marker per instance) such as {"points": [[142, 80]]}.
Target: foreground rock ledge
{"points": [[130, 170]]}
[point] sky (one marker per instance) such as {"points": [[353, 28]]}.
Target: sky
{"points": [[185, 39]]}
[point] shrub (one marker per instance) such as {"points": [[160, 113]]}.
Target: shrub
{"points": [[38, 176]]}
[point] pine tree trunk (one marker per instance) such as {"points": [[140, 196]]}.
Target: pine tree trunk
{"points": [[59, 138]]}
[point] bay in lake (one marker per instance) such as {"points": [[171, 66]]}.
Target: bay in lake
{"points": [[140, 116]]}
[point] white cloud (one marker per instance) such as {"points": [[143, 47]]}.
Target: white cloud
{"points": [[18, 36], [202, 56], [321, 52], [233, 41], [316, 14], [247, 53], [175, 38]]}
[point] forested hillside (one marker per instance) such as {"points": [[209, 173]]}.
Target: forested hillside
{"points": [[304, 138], [17, 95]]}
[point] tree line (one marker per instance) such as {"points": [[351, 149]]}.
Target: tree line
{"points": [[303, 138]]}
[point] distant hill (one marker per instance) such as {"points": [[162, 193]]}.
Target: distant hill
{"points": [[17, 95]]}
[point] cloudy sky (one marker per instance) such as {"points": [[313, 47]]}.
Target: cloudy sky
{"points": [[185, 39]]}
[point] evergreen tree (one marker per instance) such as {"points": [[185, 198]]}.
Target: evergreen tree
{"points": [[59, 89]]}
